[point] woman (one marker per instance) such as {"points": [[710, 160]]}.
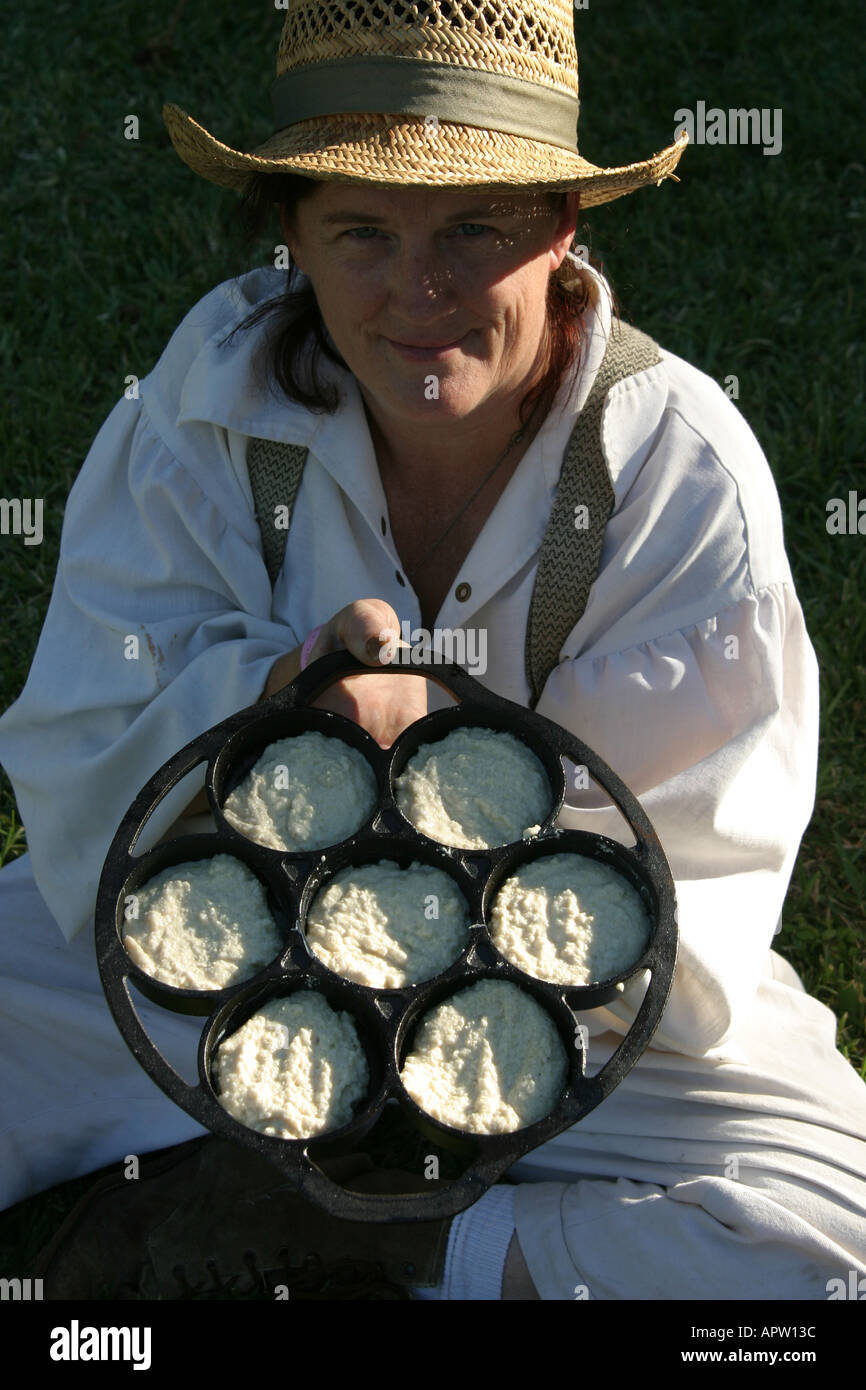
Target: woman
{"points": [[716, 1169]]}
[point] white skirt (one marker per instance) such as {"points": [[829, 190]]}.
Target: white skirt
{"points": [[697, 1178]]}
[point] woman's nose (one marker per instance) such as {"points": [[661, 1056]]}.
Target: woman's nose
{"points": [[419, 276]]}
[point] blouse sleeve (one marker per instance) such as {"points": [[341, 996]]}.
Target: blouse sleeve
{"points": [[714, 727], [158, 627]]}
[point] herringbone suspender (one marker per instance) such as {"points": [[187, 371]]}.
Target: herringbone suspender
{"points": [[275, 470], [571, 547], [572, 542]]}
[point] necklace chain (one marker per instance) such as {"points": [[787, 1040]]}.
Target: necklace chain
{"points": [[514, 440]]}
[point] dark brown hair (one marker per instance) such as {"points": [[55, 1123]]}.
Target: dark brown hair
{"points": [[300, 335]]}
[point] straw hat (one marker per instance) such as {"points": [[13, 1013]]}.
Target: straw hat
{"points": [[431, 93]]}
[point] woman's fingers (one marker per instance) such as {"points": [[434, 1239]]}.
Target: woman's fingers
{"points": [[368, 628], [384, 704]]}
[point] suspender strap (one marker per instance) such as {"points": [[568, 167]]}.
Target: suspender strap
{"points": [[571, 547], [275, 470]]}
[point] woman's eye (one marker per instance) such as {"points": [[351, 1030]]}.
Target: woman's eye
{"points": [[478, 226]]}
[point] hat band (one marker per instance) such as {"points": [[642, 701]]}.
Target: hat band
{"points": [[467, 96]]}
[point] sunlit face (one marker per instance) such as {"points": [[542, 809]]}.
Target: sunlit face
{"points": [[454, 267]]}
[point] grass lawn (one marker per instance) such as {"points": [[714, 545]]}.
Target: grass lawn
{"points": [[751, 266]]}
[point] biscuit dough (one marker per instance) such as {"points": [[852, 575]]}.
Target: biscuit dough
{"points": [[201, 925], [385, 927], [489, 1060], [295, 1068], [569, 919], [305, 792], [475, 788]]}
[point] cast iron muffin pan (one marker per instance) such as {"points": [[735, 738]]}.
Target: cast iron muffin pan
{"points": [[385, 1019]]}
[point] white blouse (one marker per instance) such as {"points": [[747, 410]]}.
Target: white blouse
{"points": [[690, 671]]}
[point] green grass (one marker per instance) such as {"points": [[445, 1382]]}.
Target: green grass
{"points": [[750, 265]]}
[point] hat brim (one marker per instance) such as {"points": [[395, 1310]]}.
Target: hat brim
{"points": [[401, 151]]}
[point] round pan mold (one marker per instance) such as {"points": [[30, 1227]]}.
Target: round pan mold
{"points": [[242, 750], [366, 850], [584, 845], [189, 849], [385, 1018], [444, 722]]}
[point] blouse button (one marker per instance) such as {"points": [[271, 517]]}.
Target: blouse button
{"points": [[400, 579], [462, 592]]}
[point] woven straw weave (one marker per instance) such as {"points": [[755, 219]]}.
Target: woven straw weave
{"points": [[492, 35], [383, 151], [530, 43]]}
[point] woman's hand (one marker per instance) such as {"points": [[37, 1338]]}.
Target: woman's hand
{"points": [[382, 704]]}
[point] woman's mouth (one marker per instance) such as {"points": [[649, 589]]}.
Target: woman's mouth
{"points": [[425, 353]]}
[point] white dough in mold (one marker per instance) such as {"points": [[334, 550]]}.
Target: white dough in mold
{"points": [[327, 791], [489, 1060], [202, 925], [375, 923], [474, 789], [569, 919], [296, 1068]]}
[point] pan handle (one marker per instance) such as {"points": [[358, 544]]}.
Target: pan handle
{"points": [[315, 678], [447, 1198]]}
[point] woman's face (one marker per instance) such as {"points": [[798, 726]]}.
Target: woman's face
{"points": [[433, 266]]}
